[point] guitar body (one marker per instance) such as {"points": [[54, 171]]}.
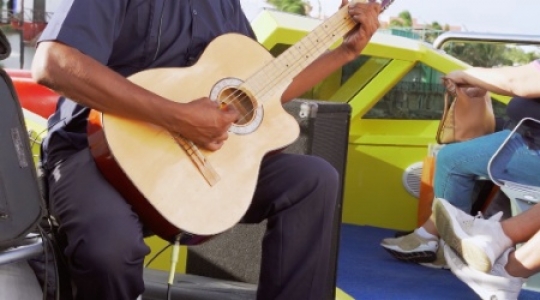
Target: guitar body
{"points": [[179, 190], [159, 178]]}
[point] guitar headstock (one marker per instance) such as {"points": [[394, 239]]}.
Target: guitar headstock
{"points": [[384, 3]]}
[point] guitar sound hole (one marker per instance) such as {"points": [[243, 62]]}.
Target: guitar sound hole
{"points": [[241, 101]]}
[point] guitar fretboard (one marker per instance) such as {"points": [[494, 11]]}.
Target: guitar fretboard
{"points": [[291, 62]]}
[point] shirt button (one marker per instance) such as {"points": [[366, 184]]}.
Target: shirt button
{"points": [[195, 12]]}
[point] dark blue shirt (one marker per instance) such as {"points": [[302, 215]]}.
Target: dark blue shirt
{"points": [[129, 36]]}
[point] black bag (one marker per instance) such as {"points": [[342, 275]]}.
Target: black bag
{"points": [[20, 199]]}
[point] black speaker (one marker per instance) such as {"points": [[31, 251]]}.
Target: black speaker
{"points": [[235, 255]]}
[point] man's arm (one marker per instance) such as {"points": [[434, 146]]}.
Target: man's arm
{"points": [[522, 81], [77, 76], [366, 15], [85, 80]]}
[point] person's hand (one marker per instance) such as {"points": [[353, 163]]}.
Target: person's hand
{"points": [[206, 123], [366, 15], [474, 92], [458, 77]]}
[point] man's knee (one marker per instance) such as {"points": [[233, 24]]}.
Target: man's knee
{"points": [[108, 256], [320, 179], [320, 172]]}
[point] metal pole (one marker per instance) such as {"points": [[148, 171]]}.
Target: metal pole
{"points": [[485, 37], [21, 36], [21, 48]]}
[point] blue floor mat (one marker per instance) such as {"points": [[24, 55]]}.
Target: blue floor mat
{"points": [[366, 271]]}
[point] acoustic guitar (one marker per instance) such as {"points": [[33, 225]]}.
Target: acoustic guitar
{"points": [[179, 189]]}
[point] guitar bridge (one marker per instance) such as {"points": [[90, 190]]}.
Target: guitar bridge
{"points": [[200, 161]]}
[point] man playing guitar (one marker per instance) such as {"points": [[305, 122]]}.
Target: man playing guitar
{"points": [[86, 53]]}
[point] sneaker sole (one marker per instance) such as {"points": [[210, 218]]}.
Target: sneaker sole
{"points": [[416, 257], [474, 256], [434, 266]]}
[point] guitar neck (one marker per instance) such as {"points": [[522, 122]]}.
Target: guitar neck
{"points": [[291, 62]]}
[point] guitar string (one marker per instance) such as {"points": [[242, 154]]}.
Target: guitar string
{"points": [[235, 96], [294, 63], [238, 92], [383, 8]]}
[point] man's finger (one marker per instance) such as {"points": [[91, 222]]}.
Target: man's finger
{"points": [[231, 114]]}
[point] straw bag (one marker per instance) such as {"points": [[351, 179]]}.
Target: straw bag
{"points": [[465, 116]]}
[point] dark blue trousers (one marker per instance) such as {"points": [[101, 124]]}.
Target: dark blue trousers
{"points": [[105, 246]]}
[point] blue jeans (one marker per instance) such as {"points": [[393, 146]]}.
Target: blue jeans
{"points": [[458, 165]]}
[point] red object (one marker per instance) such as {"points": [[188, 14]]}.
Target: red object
{"points": [[33, 96]]}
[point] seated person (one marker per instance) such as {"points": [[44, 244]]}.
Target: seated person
{"points": [[458, 164]]}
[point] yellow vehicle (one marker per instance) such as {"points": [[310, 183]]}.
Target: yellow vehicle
{"points": [[396, 101]]}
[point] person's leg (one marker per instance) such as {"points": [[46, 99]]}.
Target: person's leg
{"points": [[297, 194], [456, 169], [510, 270], [105, 247], [522, 227], [525, 261], [481, 242], [458, 166]]}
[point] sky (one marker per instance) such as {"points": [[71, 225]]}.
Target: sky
{"points": [[494, 16]]}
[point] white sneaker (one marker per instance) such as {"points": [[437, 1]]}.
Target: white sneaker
{"points": [[440, 261], [412, 248], [478, 241], [495, 285]]}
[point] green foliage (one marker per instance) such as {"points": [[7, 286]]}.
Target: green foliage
{"points": [[404, 20], [405, 16], [490, 54], [479, 54], [474, 53], [291, 6]]}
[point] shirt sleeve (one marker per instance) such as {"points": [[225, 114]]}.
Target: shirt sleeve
{"points": [[246, 25], [90, 26]]}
